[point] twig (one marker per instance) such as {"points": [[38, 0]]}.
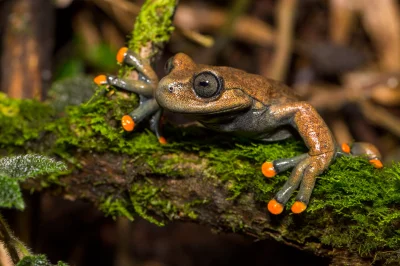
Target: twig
{"points": [[380, 117], [286, 10], [341, 20]]}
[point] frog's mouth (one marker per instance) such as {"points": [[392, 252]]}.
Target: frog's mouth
{"points": [[204, 110], [185, 102]]}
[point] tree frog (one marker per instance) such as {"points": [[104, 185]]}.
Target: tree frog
{"points": [[231, 100]]}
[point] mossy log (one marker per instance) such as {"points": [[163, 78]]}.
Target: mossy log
{"points": [[205, 177]]}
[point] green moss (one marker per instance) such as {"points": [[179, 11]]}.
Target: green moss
{"points": [[187, 208], [153, 24], [145, 198], [233, 221], [355, 204], [22, 121], [364, 205], [360, 203], [147, 202], [115, 207]]}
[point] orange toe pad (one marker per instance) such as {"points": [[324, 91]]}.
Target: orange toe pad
{"points": [[268, 169], [298, 207], [376, 163], [345, 148], [100, 80], [275, 207], [162, 140], [121, 54], [127, 123]]}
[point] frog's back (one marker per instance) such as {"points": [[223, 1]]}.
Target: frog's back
{"points": [[264, 90]]}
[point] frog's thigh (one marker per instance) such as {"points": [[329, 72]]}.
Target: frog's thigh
{"points": [[306, 120]]}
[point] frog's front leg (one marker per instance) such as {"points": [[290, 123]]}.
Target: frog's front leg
{"points": [[145, 87], [321, 144]]}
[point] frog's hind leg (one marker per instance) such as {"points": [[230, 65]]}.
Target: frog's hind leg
{"points": [[364, 149], [322, 150], [304, 174]]}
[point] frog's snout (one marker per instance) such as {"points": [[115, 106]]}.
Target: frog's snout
{"points": [[167, 87], [166, 91]]}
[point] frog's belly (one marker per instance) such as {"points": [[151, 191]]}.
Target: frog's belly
{"points": [[257, 124]]}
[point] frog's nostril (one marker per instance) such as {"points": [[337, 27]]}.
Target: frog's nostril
{"points": [[171, 89]]}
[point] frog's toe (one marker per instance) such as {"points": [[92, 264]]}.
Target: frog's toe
{"points": [[162, 140], [298, 207], [346, 148], [100, 80], [275, 207], [376, 163], [268, 169], [121, 54], [128, 123]]}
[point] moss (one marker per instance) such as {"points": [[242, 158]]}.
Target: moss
{"points": [[360, 203], [153, 24], [115, 207], [363, 203], [147, 202], [187, 208], [22, 121], [233, 221], [145, 198]]}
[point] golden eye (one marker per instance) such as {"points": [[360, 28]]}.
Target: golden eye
{"points": [[207, 85]]}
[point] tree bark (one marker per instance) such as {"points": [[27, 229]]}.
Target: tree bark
{"points": [[26, 48], [108, 174]]}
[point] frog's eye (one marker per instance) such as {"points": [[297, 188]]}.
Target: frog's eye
{"points": [[169, 65], [207, 84]]}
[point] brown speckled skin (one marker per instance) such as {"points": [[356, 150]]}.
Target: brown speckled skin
{"points": [[247, 105]]}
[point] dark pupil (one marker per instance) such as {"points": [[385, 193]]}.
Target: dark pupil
{"points": [[206, 85]]}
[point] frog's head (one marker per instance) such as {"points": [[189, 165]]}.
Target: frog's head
{"points": [[195, 89]]}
